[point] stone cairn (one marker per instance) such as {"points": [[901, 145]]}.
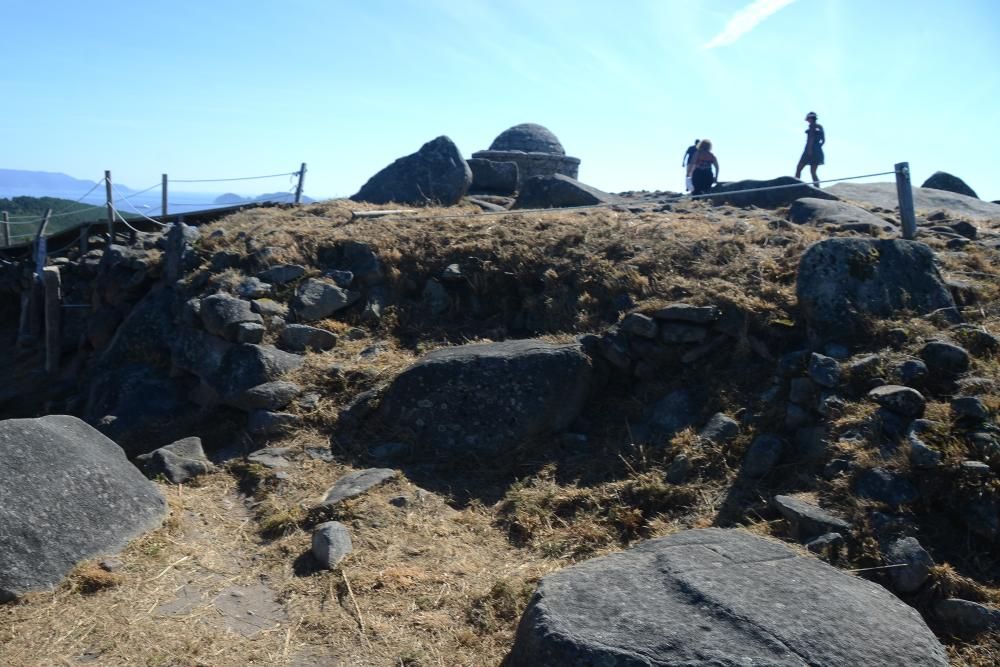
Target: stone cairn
{"points": [[535, 151]]}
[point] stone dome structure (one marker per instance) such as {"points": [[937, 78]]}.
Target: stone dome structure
{"points": [[529, 138], [535, 150]]}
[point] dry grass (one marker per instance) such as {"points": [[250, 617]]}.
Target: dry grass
{"points": [[442, 577]]}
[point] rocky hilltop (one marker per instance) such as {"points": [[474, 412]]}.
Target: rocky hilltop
{"points": [[654, 431]]}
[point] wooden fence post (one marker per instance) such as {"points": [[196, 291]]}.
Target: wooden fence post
{"points": [[163, 198], [298, 188], [84, 238], [41, 244], [6, 230], [904, 191], [111, 207], [51, 284]]}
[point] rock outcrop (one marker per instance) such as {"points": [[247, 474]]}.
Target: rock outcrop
{"points": [[717, 597], [436, 174], [941, 180], [786, 190], [67, 493], [841, 282]]}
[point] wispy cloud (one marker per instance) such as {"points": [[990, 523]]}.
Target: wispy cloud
{"points": [[746, 20]]}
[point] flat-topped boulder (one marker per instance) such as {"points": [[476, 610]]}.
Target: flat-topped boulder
{"points": [[781, 191], [883, 195], [67, 493], [486, 398], [717, 597]]}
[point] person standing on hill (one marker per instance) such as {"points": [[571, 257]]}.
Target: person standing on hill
{"points": [[700, 168], [688, 156], [813, 153]]}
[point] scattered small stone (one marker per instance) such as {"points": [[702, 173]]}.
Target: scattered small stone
{"points": [[682, 312], [269, 308], [837, 467], [808, 520], [975, 469], [250, 332], [317, 299], [355, 483], [178, 462], [399, 501], [921, 455], [762, 456], [831, 406], [452, 273], [826, 545], [824, 370], [309, 402], [720, 428], [267, 422], [908, 552], [965, 618], [340, 277], [331, 542], [897, 338], [969, 408], [319, 454], [281, 274], [356, 333], [271, 457], [911, 371], [945, 358], [837, 351], [678, 471], [641, 325], [269, 396], [301, 337], [112, 565], [904, 401], [886, 487], [252, 288]]}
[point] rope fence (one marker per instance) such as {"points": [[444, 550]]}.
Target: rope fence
{"points": [[115, 201]]}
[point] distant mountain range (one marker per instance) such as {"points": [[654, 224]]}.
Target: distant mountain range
{"points": [[35, 181]]}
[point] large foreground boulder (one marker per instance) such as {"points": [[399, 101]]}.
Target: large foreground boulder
{"points": [[717, 597], [814, 211], [785, 190], [436, 174], [942, 180], [925, 200], [559, 191], [843, 282], [67, 493], [486, 398]]}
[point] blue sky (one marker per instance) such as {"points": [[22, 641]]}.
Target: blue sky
{"points": [[209, 89]]}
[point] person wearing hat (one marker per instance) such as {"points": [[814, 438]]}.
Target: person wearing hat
{"points": [[688, 156], [813, 153]]}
